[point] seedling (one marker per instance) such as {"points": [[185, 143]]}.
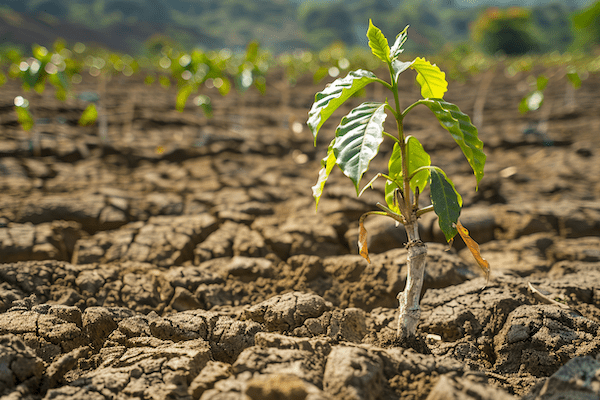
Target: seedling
{"points": [[356, 143]]}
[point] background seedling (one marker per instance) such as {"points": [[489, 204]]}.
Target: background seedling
{"points": [[356, 143]]}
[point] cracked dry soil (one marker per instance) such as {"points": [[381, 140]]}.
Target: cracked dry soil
{"points": [[181, 258]]}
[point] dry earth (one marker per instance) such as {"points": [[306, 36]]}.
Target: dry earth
{"points": [[179, 257]]}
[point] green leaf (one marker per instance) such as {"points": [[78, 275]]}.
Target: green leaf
{"points": [[357, 141], [182, 95], [390, 199], [431, 79], [541, 82], [462, 130], [531, 102], [378, 43], [327, 164], [24, 117], [397, 49], [334, 95], [89, 115], [573, 77], [446, 202], [417, 157], [203, 101]]}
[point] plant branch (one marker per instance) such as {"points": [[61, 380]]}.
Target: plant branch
{"points": [[424, 210], [391, 136], [413, 105], [390, 213]]}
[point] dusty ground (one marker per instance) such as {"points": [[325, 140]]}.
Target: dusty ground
{"points": [[179, 257]]}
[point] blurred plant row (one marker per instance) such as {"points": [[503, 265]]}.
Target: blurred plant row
{"points": [[63, 68]]}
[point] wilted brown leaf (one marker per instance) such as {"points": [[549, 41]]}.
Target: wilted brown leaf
{"points": [[362, 240], [474, 248]]}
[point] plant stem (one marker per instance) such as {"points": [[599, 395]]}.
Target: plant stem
{"points": [[409, 311]]}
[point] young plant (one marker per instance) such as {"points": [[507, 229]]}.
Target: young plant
{"points": [[356, 143]]}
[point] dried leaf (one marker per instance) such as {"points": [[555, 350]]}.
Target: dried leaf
{"points": [[362, 239], [474, 248]]}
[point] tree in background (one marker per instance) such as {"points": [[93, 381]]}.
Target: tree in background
{"points": [[326, 22], [511, 31], [587, 27]]}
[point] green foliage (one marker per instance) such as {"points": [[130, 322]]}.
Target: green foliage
{"points": [[326, 22], [89, 116], [587, 27], [510, 31], [357, 140], [446, 202], [328, 100], [24, 117], [361, 132], [463, 132]]}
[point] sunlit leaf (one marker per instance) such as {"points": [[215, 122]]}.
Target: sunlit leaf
{"points": [[531, 102], [204, 102], [417, 157], [399, 67], [431, 79], [252, 51], [446, 202], [573, 77], [89, 115], [24, 117], [320, 74], [378, 43], [164, 81], [390, 199], [474, 249], [463, 132], [183, 94], [397, 49], [334, 95], [541, 82], [327, 164], [225, 87], [358, 138]]}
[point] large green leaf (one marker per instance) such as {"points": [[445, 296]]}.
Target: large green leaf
{"points": [[446, 202], [397, 49], [462, 130], [334, 95], [358, 137], [378, 43], [431, 79], [327, 164]]}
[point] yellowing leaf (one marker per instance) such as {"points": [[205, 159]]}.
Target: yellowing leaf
{"points": [[431, 79], [89, 115], [362, 239], [474, 248]]}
